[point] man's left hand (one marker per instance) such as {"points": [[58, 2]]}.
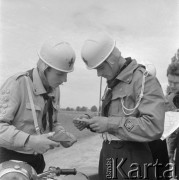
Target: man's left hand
{"points": [[99, 124]]}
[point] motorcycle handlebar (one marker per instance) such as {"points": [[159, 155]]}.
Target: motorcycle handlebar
{"points": [[57, 171], [66, 171]]}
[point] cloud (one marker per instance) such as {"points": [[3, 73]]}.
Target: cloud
{"points": [[143, 29]]}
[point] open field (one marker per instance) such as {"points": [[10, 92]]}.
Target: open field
{"points": [[66, 119]]}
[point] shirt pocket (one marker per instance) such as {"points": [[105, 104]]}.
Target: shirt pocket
{"points": [[126, 94], [28, 115], [115, 106]]}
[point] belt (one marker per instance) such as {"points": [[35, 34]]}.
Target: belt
{"points": [[109, 137]]}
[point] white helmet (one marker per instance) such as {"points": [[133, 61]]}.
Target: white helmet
{"points": [[96, 50], [58, 55], [17, 170]]}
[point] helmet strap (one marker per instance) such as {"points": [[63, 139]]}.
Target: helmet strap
{"points": [[114, 57], [42, 68]]}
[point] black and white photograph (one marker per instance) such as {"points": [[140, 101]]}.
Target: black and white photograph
{"points": [[89, 89]]}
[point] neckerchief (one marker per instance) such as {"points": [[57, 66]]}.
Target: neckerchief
{"points": [[48, 109]]}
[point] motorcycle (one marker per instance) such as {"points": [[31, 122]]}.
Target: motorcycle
{"points": [[20, 170]]}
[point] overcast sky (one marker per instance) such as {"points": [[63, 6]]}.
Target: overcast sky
{"points": [[146, 30]]}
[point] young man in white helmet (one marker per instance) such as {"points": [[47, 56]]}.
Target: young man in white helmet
{"points": [[29, 105], [132, 111]]}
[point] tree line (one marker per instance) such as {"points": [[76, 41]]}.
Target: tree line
{"points": [[83, 108]]}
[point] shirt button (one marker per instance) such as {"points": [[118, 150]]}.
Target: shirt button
{"points": [[3, 92], [3, 111], [6, 98], [7, 91], [4, 106]]}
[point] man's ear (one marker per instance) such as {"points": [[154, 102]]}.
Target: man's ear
{"points": [[111, 61], [47, 70], [114, 56]]}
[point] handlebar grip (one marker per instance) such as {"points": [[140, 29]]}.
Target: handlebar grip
{"points": [[65, 171]]}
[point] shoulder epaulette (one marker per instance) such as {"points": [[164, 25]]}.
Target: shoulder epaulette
{"points": [[141, 68], [20, 74]]}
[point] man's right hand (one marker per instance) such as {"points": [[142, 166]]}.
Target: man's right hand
{"points": [[81, 124], [41, 143]]}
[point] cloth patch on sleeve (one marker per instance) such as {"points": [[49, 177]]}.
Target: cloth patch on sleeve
{"points": [[4, 98], [129, 125]]}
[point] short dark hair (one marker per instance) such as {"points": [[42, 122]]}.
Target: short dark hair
{"points": [[173, 69]]}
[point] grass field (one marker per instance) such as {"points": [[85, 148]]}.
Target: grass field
{"points": [[66, 119]]}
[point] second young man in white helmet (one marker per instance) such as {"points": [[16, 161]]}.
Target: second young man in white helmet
{"points": [[132, 111], [30, 104]]}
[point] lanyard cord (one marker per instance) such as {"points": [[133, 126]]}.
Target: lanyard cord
{"points": [[32, 106], [104, 135], [100, 108], [124, 109]]}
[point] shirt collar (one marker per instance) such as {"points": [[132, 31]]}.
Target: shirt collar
{"points": [[127, 73], [38, 85]]}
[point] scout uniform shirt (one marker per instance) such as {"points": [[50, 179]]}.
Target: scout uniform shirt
{"points": [[16, 119], [146, 123]]}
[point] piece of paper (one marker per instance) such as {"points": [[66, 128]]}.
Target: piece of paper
{"points": [[171, 123], [84, 120], [61, 136]]}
